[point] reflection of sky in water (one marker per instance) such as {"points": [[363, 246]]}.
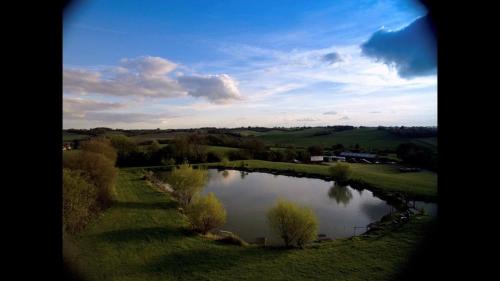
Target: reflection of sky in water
{"points": [[248, 198]]}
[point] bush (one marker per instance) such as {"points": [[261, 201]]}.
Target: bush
{"points": [[341, 173], [79, 200], [186, 183], [240, 154], [98, 169], [102, 146], [294, 224], [206, 213], [213, 156]]}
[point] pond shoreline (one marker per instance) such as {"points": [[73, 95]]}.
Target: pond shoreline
{"points": [[389, 222], [397, 199]]}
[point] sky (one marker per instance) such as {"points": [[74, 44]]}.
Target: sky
{"points": [[191, 64]]}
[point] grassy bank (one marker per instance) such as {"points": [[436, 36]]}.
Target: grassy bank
{"points": [[141, 237], [385, 177]]}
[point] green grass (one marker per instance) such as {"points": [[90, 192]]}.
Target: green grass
{"points": [[387, 177], [71, 137], [224, 150], [141, 237], [367, 138]]}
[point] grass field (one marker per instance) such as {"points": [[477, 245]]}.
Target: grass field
{"points": [[71, 137], [387, 177], [367, 138], [141, 237]]}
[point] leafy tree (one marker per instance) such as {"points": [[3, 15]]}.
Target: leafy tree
{"points": [[98, 169], [186, 183], [417, 155], [315, 150], [341, 173], [125, 146], [79, 200], [206, 213], [214, 156], [296, 225], [290, 153], [100, 145]]}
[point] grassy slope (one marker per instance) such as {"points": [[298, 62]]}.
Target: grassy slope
{"points": [[141, 238], [385, 177], [369, 138]]}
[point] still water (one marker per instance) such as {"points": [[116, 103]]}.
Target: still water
{"points": [[248, 196]]}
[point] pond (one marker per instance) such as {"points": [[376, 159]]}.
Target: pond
{"points": [[247, 197]]}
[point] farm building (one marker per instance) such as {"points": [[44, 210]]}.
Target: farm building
{"points": [[335, 158], [317, 158], [360, 157]]}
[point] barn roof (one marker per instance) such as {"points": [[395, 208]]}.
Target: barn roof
{"points": [[359, 155]]}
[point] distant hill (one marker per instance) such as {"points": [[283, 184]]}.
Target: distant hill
{"points": [[379, 138]]}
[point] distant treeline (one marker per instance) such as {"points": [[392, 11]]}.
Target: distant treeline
{"points": [[400, 131], [331, 129], [411, 132]]}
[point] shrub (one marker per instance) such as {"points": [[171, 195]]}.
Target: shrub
{"points": [[240, 154], [98, 169], [294, 224], [100, 145], [341, 173], [186, 183], [213, 156], [79, 200], [206, 213]]}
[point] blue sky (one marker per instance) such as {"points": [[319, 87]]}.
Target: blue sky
{"points": [[188, 64]]}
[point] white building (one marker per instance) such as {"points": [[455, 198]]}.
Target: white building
{"points": [[317, 158]]}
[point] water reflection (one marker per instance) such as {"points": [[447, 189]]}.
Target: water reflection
{"points": [[341, 194], [243, 174]]}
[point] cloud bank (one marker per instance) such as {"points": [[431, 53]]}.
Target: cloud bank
{"points": [[148, 76], [412, 50]]}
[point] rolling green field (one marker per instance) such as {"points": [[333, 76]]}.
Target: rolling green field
{"points": [[142, 237], [71, 137], [387, 177], [368, 138]]}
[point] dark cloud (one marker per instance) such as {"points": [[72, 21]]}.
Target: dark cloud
{"points": [[412, 50], [125, 117], [330, 113], [331, 58], [306, 120], [344, 118]]}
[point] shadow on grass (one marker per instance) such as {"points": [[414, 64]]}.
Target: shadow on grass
{"points": [[148, 234], [141, 205], [198, 262]]}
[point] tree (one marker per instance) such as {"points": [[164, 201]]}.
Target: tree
{"points": [[206, 213], [290, 153], [186, 183], [98, 169], [315, 150], [294, 224], [79, 200], [100, 145], [125, 147], [341, 173]]}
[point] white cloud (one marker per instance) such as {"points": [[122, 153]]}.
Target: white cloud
{"points": [[148, 77], [218, 89]]}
